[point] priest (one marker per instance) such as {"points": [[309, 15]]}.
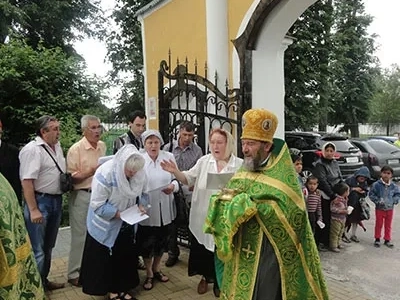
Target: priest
{"points": [[264, 243]]}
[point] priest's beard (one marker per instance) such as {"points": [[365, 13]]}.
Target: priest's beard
{"points": [[252, 163]]}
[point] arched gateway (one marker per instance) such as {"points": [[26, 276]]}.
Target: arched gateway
{"points": [[243, 41]]}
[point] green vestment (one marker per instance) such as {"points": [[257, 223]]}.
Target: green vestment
{"points": [[19, 275], [265, 204]]}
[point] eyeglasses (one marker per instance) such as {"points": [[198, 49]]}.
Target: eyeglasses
{"points": [[95, 129]]}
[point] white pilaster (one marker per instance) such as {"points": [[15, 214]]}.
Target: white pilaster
{"points": [[269, 81], [217, 41]]}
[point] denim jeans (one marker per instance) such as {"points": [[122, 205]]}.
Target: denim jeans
{"points": [[43, 235]]}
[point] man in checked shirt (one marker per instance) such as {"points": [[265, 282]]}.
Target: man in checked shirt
{"points": [[186, 155]]}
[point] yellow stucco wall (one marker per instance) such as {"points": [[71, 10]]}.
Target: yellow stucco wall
{"points": [[180, 26], [237, 9]]}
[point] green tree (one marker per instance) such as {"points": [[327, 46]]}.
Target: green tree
{"points": [[307, 68], [126, 55], [43, 81], [353, 65], [385, 105], [51, 23]]}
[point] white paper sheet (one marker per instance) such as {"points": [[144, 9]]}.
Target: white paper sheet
{"points": [[159, 189], [133, 215], [217, 181]]}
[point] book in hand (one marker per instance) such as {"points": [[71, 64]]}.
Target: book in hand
{"points": [[133, 215], [217, 181]]}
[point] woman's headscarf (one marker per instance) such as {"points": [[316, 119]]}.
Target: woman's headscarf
{"points": [[151, 132], [327, 145], [134, 185], [230, 142]]}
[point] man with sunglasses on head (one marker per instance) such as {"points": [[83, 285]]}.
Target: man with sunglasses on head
{"points": [[82, 162], [40, 179]]}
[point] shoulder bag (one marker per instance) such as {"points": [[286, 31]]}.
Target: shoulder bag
{"points": [[65, 178]]}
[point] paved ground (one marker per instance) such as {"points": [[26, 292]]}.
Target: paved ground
{"points": [[182, 287]]}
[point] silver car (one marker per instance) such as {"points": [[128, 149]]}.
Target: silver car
{"points": [[377, 153]]}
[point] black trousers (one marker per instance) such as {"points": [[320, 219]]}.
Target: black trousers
{"points": [[322, 235]]}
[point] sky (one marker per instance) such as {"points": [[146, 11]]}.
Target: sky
{"points": [[384, 25]]}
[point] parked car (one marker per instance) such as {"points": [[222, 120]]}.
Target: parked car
{"points": [[387, 138], [310, 144], [377, 153]]}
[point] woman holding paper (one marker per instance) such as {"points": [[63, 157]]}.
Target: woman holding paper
{"points": [[220, 161], [109, 262], [152, 234]]}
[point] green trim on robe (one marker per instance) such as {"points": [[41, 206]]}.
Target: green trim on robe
{"points": [[266, 203], [19, 275]]}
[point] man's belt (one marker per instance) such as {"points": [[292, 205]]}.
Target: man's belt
{"points": [[85, 190], [47, 195]]}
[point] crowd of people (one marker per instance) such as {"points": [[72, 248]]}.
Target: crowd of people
{"points": [[336, 206], [262, 217]]}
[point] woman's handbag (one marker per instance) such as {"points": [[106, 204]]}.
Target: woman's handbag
{"points": [[65, 178], [182, 208]]}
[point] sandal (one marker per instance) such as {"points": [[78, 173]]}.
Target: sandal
{"points": [[122, 296], [115, 297], [160, 276], [346, 239], [148, 283]]}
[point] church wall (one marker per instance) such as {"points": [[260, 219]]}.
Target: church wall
{"points": [[180, 26], [236, 12]]}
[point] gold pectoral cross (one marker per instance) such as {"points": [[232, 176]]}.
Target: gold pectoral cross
{"points": [[248, 251]]}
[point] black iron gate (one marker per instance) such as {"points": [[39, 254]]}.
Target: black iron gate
{"points": [[189, 96]]}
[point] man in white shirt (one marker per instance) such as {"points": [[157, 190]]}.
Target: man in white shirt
{"points": [[40, 179]]}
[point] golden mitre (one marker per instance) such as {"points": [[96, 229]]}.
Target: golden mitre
{"points": [[259, 124]]}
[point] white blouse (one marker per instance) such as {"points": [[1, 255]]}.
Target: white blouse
{"points": [[197, 176], [162, 210]]}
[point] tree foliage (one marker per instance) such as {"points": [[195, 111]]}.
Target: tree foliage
{"points": [[385, 105], [306, 67], [126, 54], [353, 65], [330, 68], [51, 23], [43, 81]]}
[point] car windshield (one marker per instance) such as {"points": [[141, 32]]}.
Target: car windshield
{"points": [[382, 146]]}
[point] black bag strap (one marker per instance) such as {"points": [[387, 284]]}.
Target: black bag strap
{"points": [[121, 139], [180, 191], [58, 167], [171, 145]]}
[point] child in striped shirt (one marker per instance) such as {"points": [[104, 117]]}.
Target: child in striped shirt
{"points": [[313, 202]]}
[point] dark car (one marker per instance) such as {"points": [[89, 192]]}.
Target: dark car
{"points": [[310, 144], [387, 138], [377, 153]]}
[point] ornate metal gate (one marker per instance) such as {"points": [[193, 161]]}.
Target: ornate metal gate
{"points": [[189, 96]]}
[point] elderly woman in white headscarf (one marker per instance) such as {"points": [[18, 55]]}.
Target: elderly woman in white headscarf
{"points": [[152, 234], [110, 258]]}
